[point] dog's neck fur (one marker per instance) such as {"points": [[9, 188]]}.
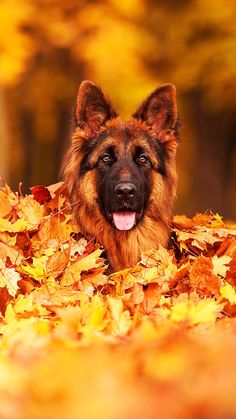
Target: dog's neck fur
{"points": [[127, 251], [124, 248]]}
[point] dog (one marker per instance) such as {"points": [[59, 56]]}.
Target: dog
{"points": [[121, 175]]}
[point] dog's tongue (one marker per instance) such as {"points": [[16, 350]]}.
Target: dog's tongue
{"points": [[124, 220]]}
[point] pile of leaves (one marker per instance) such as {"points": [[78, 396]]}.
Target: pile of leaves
{"points": [[155, 340]]}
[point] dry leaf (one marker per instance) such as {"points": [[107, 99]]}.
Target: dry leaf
{"points": [[135, 338]]}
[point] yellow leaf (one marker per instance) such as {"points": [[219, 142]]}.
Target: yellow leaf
{"points": [[216, 221], [38, 268], [10, 315], [160, 266], [42, 327], [90, 262], [25, 303], [116, 307], [204, 311], [229, 293], [156, 257], [149, 275], [219, 264], [72, 273], [31, 211], [121, 321], [93, 313], [19, 225]]}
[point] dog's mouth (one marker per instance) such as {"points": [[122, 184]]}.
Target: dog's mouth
{"points": [[124, 220]]}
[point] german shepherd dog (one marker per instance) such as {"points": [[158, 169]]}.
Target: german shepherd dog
{"points": [[121, 175]]}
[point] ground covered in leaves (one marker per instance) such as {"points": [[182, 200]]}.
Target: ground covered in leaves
{"points": [[155, 340]]}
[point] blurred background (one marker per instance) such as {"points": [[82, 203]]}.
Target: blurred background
{"points": [[47, 47]]}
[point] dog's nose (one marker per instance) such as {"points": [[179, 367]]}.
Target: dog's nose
{"points": [[125, 190]]}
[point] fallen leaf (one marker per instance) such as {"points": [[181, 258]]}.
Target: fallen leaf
{"points": [[204, 311], [229, 293], [203, 279], [220, 265], [41, 194], [9, 278], [19, 225], [73, 272], [5, 206], [38, 268]]}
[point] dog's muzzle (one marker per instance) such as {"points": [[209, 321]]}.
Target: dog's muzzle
{"points": [[125, 194]]}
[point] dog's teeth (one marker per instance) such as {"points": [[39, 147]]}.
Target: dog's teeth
{"points": [[124, 220]]}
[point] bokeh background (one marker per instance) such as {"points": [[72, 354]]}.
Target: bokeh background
{"points": [[47, 47]]}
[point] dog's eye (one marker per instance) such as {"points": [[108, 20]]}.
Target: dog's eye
{"points": [[142, 160], [106, 159]]}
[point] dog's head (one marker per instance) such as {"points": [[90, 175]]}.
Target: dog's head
{"points": [[123, 170]]}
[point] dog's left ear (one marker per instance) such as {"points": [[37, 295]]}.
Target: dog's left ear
{"points": [[159, 110], [93, 107]]}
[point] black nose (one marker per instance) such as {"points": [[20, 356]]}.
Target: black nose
{"points": [[125, 190]]}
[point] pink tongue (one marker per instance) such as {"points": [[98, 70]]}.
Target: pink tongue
{"points": [[124, 220]]}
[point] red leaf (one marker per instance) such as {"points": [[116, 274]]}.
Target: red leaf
{"points": [[41, 194]]}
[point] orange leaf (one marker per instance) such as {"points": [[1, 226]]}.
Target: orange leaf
{"points": [[202, 278]]}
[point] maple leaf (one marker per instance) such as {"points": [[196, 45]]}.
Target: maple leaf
{"points": [[55, 227], [204, 311], [202, 277], [231, 273], [152, 296], [26, 304], [137, 293], [19, 225], [220, 264], [5, 298], [7, 200], [160, 267], [93, 314], [95, 276], [38, 268], [7, 251], [73, 272], [58, 197], [167, 318], [41, 194], [229, 293], [182, 222], [9, 278], [30, 210], [52, 295], [56, 263], [153, 257], [5, 206], [121, 321]]}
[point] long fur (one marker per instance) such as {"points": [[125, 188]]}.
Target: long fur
{"points": [[124, 248]]}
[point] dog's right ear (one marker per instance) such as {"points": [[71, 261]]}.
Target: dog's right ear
{"points": [[93, 107]]}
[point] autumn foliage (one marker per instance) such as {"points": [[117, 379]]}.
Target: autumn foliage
{"points": [[154, 340]]}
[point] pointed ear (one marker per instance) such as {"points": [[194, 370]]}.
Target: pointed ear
{"points": [[93, 107], [159, 110]]}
